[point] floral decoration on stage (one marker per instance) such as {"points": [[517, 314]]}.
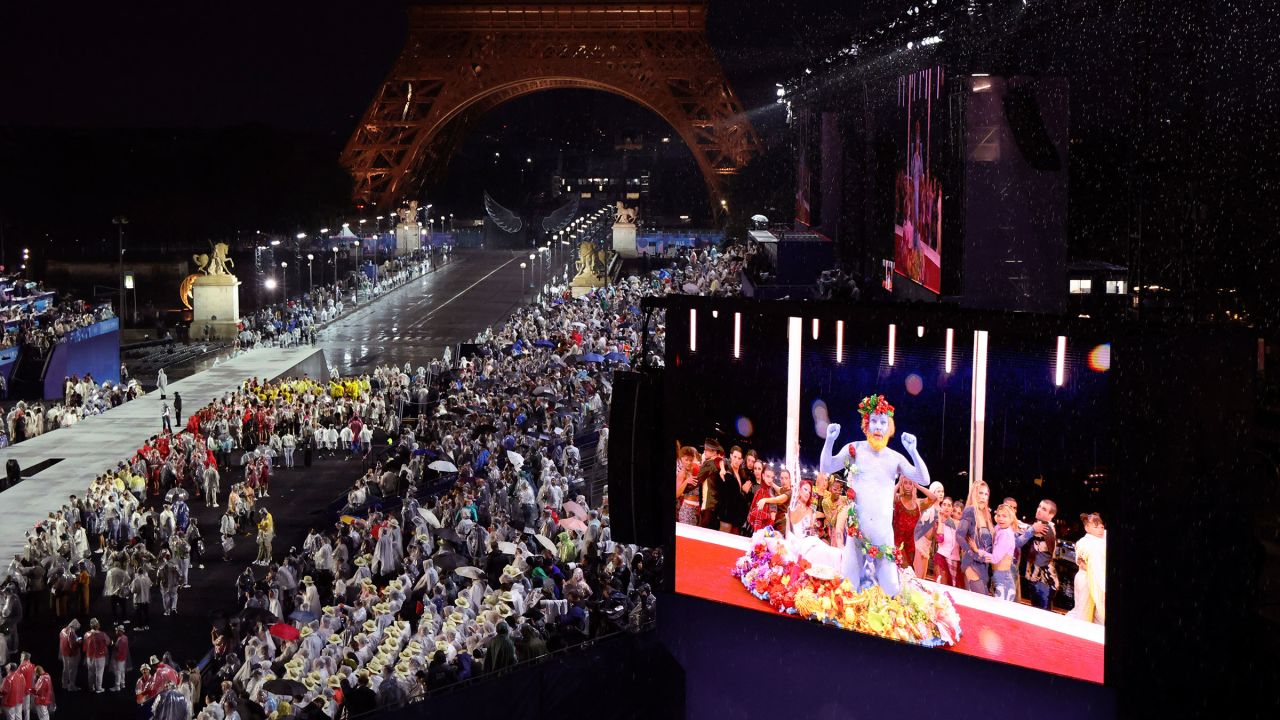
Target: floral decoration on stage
{"points": [[791, 585]]}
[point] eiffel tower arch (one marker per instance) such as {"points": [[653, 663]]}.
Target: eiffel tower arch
{"points": [[461, 61]]}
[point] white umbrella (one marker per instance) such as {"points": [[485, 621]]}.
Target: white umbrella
{"points": [[545, 542], [516, 458], [759, 218], [443, 466], [468, 571], [430, 517], [691, 288], [507, 548]]}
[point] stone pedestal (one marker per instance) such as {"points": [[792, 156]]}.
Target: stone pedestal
{"points": [[624, 240], [408, 238], [581, 285], [215, 303]]}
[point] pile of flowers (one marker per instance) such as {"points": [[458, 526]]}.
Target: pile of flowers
{"points": [[916, 615]]}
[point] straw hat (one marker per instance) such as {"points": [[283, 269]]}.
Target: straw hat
{"points": [[504, 610], [369, 626], [334, 681], [306, 580], [457, 617], [462, 603], [335, 639], [328, 609], [306, 631], [507, 597]]}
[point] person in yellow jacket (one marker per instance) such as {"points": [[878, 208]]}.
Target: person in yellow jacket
{"points": [[266, 533]]}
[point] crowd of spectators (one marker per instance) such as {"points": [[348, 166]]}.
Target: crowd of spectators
{"points": [[471, 540]]}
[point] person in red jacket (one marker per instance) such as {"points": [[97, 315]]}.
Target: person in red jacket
{"points": [[69, 651], [95, 645], [162, 676], [28, 670], [42, 693], [119, 658], [13, 693]]}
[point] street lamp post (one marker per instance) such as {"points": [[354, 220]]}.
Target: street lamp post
{"points": [[284, 281], [335, 268], [310, 281], [120, 221], [359, 267], [522, 266]]}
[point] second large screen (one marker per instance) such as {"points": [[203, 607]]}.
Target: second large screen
{"points": [[933, 485], [917, 224]]}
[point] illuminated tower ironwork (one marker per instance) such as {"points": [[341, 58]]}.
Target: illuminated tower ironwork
{"points": [[461, 61]]}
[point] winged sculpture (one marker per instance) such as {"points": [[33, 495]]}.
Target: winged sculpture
{"points": [[510, 222]]}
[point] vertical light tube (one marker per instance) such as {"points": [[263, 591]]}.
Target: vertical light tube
{"points": [[693, 330], [919, 331], [839, 341], [978, 417], [946, 361], [794, 336], [893, 342], [815, 328], [737, 335], [1060, 366]]}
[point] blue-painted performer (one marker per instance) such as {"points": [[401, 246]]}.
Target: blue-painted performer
{"points": [[873, 469]]}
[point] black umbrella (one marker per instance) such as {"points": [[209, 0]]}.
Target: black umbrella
{"points": [[447, 562], [449, 535], [257, 614], [286, 687], [486, 428]]}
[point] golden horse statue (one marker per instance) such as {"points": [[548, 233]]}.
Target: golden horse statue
{"points": [[591, 260], [217, 263]]}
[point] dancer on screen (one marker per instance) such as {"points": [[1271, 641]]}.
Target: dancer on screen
{"points": [[868, 550]]}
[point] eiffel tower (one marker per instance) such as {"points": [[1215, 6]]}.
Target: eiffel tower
{"points": [[461, 61]]}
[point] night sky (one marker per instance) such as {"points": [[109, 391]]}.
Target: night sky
{"points": [[311, 66]]}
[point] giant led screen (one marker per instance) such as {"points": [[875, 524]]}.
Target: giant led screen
{"points": [[938, 485], [917, 223]]}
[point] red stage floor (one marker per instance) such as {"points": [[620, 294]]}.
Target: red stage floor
{"points": [[703, 570]]}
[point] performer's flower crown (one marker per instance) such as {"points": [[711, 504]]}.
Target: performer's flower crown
{"points": [[875, 405]]}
